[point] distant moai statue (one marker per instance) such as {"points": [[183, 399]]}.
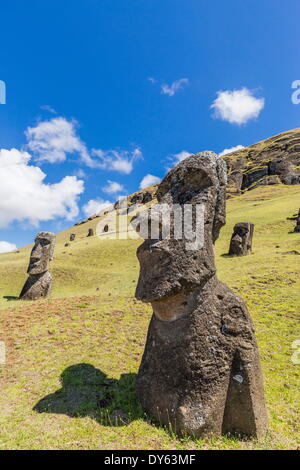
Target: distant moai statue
{"points": [[297, 228], [241, 240], [72, 237], [200, 373], [90, 232], [39, 282]]}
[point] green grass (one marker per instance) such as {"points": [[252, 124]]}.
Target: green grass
{"points": [[72, 359]]}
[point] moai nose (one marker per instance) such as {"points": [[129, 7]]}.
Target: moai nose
{"points": [[37, 251]]}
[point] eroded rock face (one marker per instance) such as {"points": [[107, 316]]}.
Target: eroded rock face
{"points": [[200, 372], [39, 282], [271, 161], [241, 240]]}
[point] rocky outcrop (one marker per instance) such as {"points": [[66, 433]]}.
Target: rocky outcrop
{"points": [[200, 373], [141, 198], [39, 282], [241, 240], [274, 160]]}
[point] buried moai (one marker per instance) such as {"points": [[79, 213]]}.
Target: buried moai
{"points": [[39, 282], [200, 373], [297, 228], [241, 240], [72, 237], [90, 232]]}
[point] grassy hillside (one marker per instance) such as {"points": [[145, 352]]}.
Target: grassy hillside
{"points": [[72, 359]]}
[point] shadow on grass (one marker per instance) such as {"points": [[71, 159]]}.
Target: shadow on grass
{"points": [[10, 297], [87, 391]]}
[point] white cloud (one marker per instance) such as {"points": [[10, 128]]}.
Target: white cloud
{"points": [[112, 187], [52, 140], [6, 247], [230, 150], [121, 161], [80, 173], [48, 108], [149, 180], [24, 196], [237, 106], [178, 157], [174, 87], [94, 206]]}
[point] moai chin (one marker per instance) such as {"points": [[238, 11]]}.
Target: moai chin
{"points": [[39, 282], [200, 373], [241, 240]]}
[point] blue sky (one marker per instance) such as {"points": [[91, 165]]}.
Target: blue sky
{"points": [[106, 92]]}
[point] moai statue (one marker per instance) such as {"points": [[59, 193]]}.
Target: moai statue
{"points": [[241, 240], [297, 228], [90, 232], [72, 237], [200, 373], [39, 282]]}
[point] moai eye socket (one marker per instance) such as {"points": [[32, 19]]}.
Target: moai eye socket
{"points": [[44, 241]]}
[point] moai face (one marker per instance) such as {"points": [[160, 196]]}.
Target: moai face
{"points": [[241, 240], [42, 253], [167, 267]]}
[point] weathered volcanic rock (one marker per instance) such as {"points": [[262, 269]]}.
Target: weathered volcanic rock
{"points": [[278, 155], [241, 240], [200, 372], [39, 282], [137, 198], [252, 176], [147, 197]]}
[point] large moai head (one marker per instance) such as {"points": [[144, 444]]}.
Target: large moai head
{"points": [[42, 253], [241, 240], [172, 267]]}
